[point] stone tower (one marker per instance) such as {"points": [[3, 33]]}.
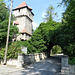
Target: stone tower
{"points": [[24, 18]]}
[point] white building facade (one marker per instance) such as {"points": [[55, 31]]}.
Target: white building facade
{"points": [[23, 20]]}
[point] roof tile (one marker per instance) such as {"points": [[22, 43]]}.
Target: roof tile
{"points": [[22, 5], [24, 31], [15, 22]]}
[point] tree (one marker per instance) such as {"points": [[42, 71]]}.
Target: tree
{"points": [[69, 22], [37, 42], [41, 40], [56, 49], [65, 34], [49, 13], [66, 2], [4, 18], [52, 33]]}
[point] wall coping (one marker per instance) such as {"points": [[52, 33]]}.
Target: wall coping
{"points": [[60, 56], [31, 54]]}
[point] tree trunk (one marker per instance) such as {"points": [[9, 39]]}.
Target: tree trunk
{"points": [[49, 47]]}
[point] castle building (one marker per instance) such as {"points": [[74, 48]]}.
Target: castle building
{"points": [[23, 20]]}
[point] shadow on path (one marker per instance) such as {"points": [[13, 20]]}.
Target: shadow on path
{"points": [[48, 66]]}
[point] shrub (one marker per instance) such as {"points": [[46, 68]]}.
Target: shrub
{"points": [[13, 50], [72, 61]]}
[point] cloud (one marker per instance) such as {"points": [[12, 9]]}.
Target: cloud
{"points": [[35, 25]]}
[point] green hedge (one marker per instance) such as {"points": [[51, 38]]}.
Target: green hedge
{"points": [[13, 50], [72, 61]]}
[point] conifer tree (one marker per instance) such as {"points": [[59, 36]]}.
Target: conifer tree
{"points": [[4, 19]]}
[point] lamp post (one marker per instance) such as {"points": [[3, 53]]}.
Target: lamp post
{"points": [[8, 33]]}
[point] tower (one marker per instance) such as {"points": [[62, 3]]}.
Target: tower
{"points": [[24, 18]]}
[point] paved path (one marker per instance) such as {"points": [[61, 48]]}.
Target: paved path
{"points": [[44, 67]]}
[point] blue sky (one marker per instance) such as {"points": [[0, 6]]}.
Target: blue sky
{"points": [[39, 8]]}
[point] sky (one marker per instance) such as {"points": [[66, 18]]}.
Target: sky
{"points": [[39, 8]]}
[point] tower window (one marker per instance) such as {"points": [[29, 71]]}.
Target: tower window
{"points": [[19, 10], [22, 33]]}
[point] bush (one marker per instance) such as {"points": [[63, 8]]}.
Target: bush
{"points": [[13, 50], [72, 61], [2, 52], [56, 49]]}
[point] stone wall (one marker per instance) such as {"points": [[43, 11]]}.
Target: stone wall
{"points": [[72, 69], [64, 64], [25, 59], [12, 62], [30, 58], [66, 69]]}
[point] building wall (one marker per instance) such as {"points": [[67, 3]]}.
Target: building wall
{"points": [[21, 21], [19, 13], [24, 17], [28, 25], [29, 14]]}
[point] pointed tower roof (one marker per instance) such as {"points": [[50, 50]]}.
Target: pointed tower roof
{"points": [[22, 5]]}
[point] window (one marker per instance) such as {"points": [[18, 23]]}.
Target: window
{"points": [[19, 10], [26, 35], [22, 33]]}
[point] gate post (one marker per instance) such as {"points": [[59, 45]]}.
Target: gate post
{"points": [[20, 60], [64, 64]]}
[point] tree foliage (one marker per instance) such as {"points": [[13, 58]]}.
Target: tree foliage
{"points": [[66, 2], [65, 34], [56, 49], [61, 34], [69, 24], [4, 19], [50, 14], [13, 50], [37, 42], [53, 33]]}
